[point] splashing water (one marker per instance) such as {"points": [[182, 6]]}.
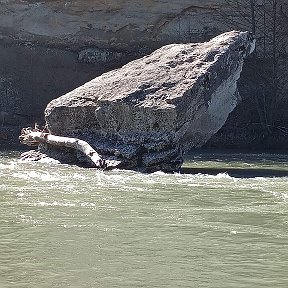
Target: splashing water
{"points": [[225, 225]]}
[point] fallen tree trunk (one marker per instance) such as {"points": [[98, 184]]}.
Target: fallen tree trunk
{"points": [[32, 137]]}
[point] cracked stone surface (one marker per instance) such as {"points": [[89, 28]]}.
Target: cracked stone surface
{"points": [[149, 112]]}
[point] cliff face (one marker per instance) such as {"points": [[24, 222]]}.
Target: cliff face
{"points": [[121, 24], [48, 48]]}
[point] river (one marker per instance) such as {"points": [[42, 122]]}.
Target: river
{"points": [[222, 223]]}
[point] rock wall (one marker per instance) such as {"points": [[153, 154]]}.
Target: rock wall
{"points": [[121, 24]]}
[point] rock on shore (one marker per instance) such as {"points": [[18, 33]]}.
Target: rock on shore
{"points": [[149, 112]]}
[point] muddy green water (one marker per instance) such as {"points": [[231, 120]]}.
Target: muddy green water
{"points": [[225, 226]]}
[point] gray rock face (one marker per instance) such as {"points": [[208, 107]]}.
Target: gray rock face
{"points": [[150, 111], [122, 24]]}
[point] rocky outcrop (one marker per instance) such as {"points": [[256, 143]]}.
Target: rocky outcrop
{"points": [[150, 111]]}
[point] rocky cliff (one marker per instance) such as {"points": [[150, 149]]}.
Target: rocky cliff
{"points": [[121, 24], [150, 111]]}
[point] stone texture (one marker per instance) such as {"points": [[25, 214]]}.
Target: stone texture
{"points": [[122, 24], [49, 47], [150, 111]]}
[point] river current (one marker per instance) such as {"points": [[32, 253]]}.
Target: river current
{"points": [[223, 222]]}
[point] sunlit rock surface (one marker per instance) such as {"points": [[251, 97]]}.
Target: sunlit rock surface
{"points": [[150, 111]]}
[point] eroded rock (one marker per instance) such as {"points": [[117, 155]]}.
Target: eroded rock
{"points": [[149, 112]]}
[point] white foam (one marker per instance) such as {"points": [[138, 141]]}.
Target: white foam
{"points": [[43, 176], [54, 203], [47, 160], [79, 176], [87, 204], [10, 166]]}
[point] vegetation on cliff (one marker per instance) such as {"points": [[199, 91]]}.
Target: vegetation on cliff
{"points": [[266, 71]]}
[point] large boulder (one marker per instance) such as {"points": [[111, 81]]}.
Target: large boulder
{"points": [[149, 112]]}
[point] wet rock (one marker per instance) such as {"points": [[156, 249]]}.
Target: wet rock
{"points": [[37, 156], [152, 110]]}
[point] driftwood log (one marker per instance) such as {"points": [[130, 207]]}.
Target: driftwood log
{"points": [[33, 136]]}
